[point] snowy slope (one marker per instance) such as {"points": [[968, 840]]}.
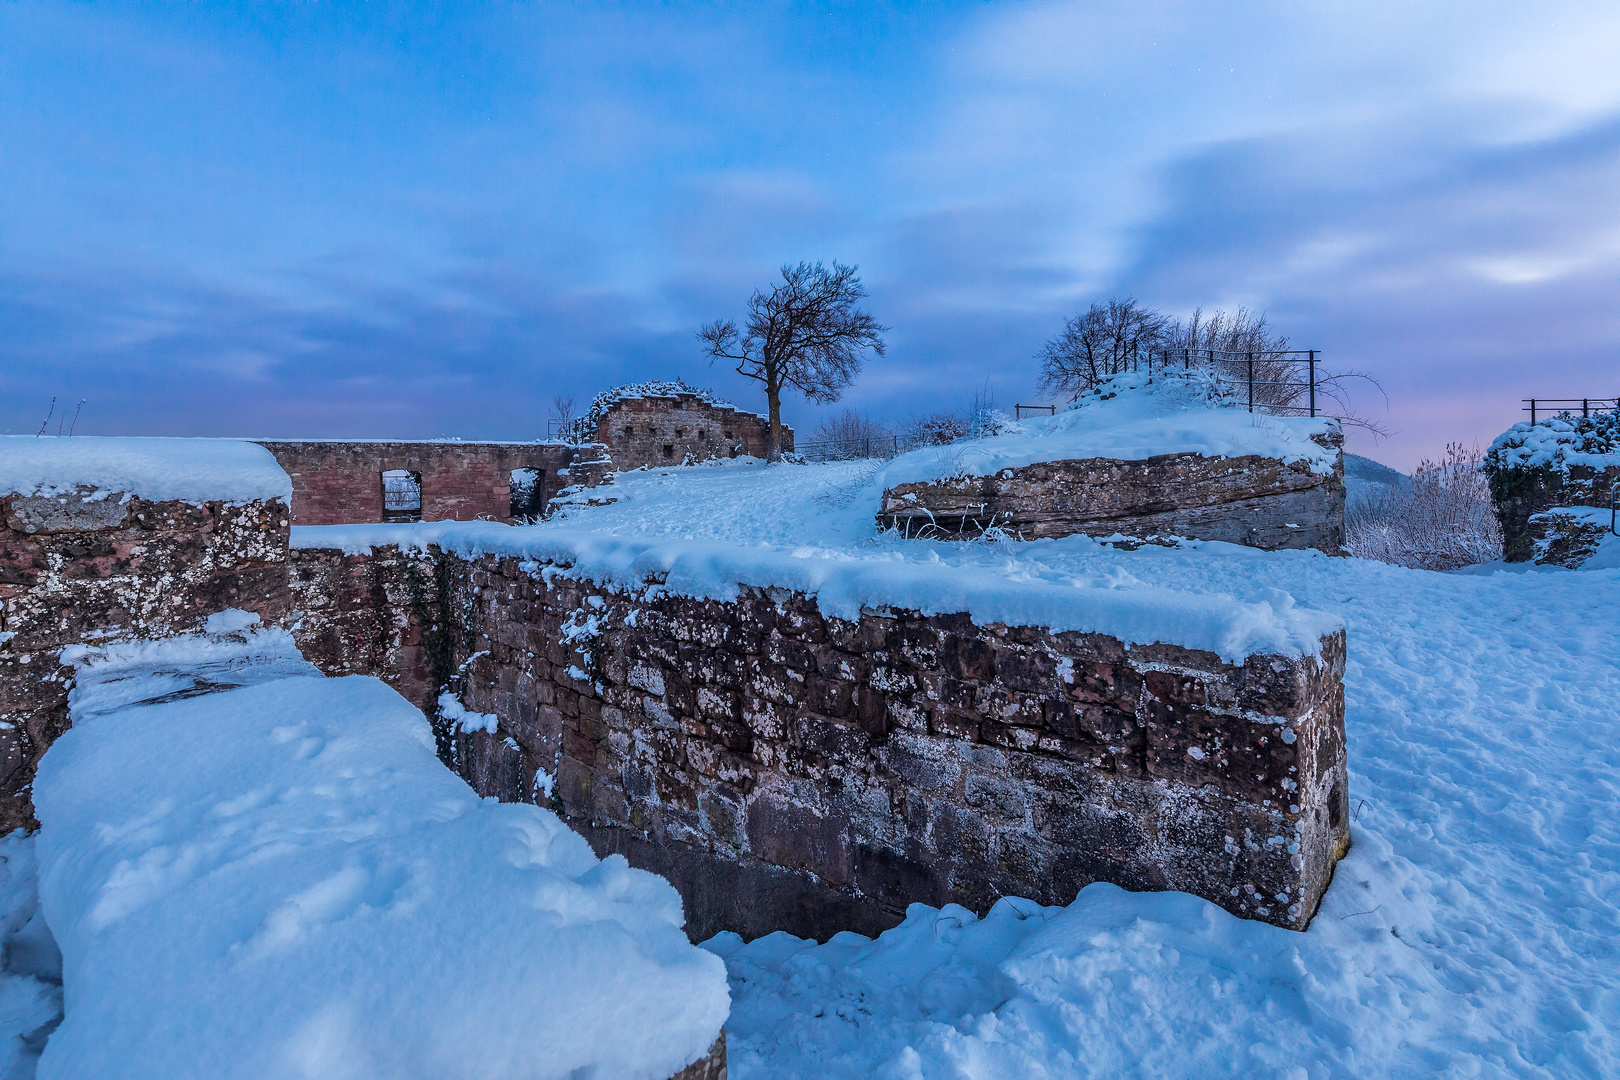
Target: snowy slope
{"points": [[282, 880], [195, 470], [1128, 417]]}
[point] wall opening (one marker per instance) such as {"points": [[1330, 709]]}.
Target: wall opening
{"points": [[402, 495], [669, 451], [528, 494]]}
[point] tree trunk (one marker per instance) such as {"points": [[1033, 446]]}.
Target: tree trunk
{"points": [[773, 397]]}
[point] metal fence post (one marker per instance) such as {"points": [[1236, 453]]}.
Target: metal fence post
{"points": [[1313, 383], [1532, 412], [1251, 382], [1584, 415]]}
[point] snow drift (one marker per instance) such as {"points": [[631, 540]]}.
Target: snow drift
{"points": [[281, 880]]}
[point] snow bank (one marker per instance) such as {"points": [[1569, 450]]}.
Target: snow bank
{"points": [[1015, 592], [282, 880], [193, 470], [31, 977], [1128, 417]]}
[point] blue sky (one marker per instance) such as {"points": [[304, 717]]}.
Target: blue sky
{"points": [[415, 221]]}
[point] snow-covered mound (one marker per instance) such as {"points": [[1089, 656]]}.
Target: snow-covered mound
{"points": [[1557, 444], [281, 880], [1128, 417], [193, 470]]}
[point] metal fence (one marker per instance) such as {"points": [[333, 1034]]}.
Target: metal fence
{"points": [[1558, 406], [864, 447], [1268, 377], [572, 430]]}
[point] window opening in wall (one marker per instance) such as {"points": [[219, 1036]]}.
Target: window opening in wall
{"points": [[402, 495], [629, 431], [728, 436], [528, 494], [703, 436], [680, 432], [669, 451]]}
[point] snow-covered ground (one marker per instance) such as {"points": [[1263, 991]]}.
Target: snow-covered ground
{"points": [[1474, 929]]}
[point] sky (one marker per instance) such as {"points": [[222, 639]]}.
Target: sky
{"points": [[421, 221]]}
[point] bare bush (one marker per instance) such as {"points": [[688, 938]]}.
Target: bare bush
{"points": [[850, 436], [936, 429], [1443, 521]]}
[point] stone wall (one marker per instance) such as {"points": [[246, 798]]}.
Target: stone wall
{"points": [[669, 430], [340, 483], [789, 770], [1522, 499], [81, 570], [1259, 502]]}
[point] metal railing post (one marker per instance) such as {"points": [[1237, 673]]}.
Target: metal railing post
{"points": [[1251, 382], [1313, 383], [1584, 415], [1532, 412]]}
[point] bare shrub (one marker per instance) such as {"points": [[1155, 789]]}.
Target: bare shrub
{"points": [[850, 436], [1443, 521], [936, 429]]}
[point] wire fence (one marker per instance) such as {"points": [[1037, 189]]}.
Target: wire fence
{"points": [[1547, 408]]}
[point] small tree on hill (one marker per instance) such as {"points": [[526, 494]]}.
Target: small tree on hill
{"points": [[806, 333]]}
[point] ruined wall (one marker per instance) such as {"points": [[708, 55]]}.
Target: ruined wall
{"points": [[340, 483], [655, 431], [81, 570], [1259, 502], [788, 770], [1523, 497]]}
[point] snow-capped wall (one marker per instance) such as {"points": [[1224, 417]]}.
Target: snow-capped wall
{"points": [[813, 761], [109, 538], [158, 470], [658, 424], [1166, 457], [1567, 461], [281, 880]]}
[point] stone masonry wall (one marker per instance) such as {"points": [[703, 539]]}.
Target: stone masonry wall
{"points": [[789, 770], [1259, 502], [340, 483], [654, 431], [80, 570]]}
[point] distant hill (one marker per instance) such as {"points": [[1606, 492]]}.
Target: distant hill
{"points": [[1367, 471]]}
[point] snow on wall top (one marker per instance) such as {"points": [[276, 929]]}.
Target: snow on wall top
{"points": [[990, 587], [193, 470], [1128, 417], [1558, 443], [649, 389], [324, 898]]}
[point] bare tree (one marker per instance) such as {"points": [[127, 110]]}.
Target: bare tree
{"points": [[562, 408], [1106, 340], [806, 333]]}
